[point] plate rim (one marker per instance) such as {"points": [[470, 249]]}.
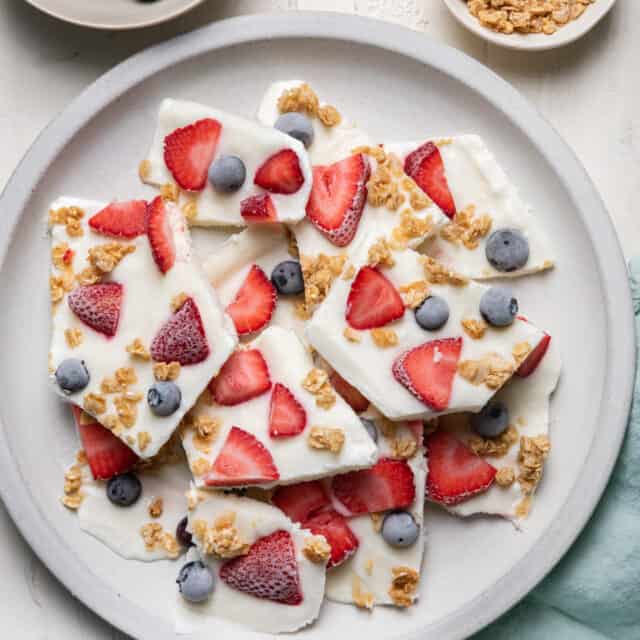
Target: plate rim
{"points": [[617, 389]]}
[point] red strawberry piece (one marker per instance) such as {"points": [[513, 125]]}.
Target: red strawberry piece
{"points": [[287, 416], [300, 501], [455, 472], [258, 209], [338, 534], [67, 256], [98, 306], [373, 301], [245, 375], [269, 571], [189, 152], [160, 234], [280, 173], [425, 166], [349, 393], [120, 219], [181, 338], [417, 430], [387, 485], [428, 371], [243, 460], [254, 303], [337, 198], [534, 358], [107, 455]]}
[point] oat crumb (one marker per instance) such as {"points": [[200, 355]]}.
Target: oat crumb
{"points": [[383, 337], [73, 337], [155, 507], [137, 350], [316, 549], [505, 477], [328, 438], [404, 584], [351, 334]]}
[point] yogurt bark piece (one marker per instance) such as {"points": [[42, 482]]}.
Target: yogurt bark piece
{"points": [[271, 417], [464, 178], [268, 180], [367, 330], [131, 310], [269, 573]]}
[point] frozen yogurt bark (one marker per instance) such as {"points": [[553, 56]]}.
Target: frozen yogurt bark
{"points": [[137, 330], [226, 170], [271, 417]]}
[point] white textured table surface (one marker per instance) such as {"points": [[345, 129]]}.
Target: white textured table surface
{"points": [[589, 91]]}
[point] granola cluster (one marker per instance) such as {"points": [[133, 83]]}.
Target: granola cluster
{"points": [[414, 293], [316, 382], [69, 217], [137, 350], [491, 370], [384, 337], [221, 538], [467, 228], [505, 477], [475, 328], [170, 192], [304, 99], [73, 495], [155, 537], [533, 452], [351, 335], [410, 227], [404, 584], [166, 370], [106, 257], [437, 273], [316, 549], [380, 254], [206, 431], [73, 337], [497, 446], [319, 274], [328, 438]]}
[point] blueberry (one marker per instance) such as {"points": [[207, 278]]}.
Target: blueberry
{"points": [[72, 375], [227, 174], [195, 581], [399, 529], [498, 306], [297, 126], [182, 535], [371, 428], [124, 490], [287, 278], [507, 249], [433, 313], [164, 398], [492, 420]]}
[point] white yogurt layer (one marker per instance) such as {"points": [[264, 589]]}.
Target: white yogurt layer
{"points": [[146, 307], [253, 520], [250, 141], [289, 362], [477, 180]]}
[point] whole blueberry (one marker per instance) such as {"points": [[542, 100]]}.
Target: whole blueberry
{"points": [[182, 535], [227, 174], [492, 420], [433, 313], [399, 529], [498, 306], [124, 490], [164, 398], [507, 249], [287, 278], [195, 581], [371, 428], [296, 125], [72, 375]]}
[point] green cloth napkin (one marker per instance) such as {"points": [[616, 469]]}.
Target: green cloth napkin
{"points": [[594, 592]]}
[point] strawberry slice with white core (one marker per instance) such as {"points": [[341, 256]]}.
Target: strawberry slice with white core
{"points": [[338, 534], [255, 302], [189, 152], [280, 173], [428, 371], [258, 209], [337, 198], [243, 460], [455, 472], [373, 301], [120, 219], [426, 167], [301, 501], [269, 571], [98, 306], [387, 485], [160, 234], [349, 393], [245, 375], [287, 416], [534, 358]]}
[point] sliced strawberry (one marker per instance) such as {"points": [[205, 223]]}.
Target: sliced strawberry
{"points": [[426, 167], [428, 371], [257, 209], [243, 460], [107, 455], [301, 501], [269, 571], [287, 416], [338, 534], [245, 375], [120, 219], [349, 393], [337, 198], [254, 303], [534, 358], [189, 152], [181, 338], [98, 306], [387, 485], [160, 234], [455, 472], [280, 173], [373, 301]]}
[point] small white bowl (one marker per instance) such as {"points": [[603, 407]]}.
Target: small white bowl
{"points": [[532, 41]]}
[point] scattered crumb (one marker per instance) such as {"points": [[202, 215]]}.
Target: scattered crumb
{"points": [[403, 585], [383, 337], [316, 549], [474, 328], [73, 337]]}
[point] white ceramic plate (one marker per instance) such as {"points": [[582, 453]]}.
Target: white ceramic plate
{"points": [[115, 14], [532, 41], [398, 84]]}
